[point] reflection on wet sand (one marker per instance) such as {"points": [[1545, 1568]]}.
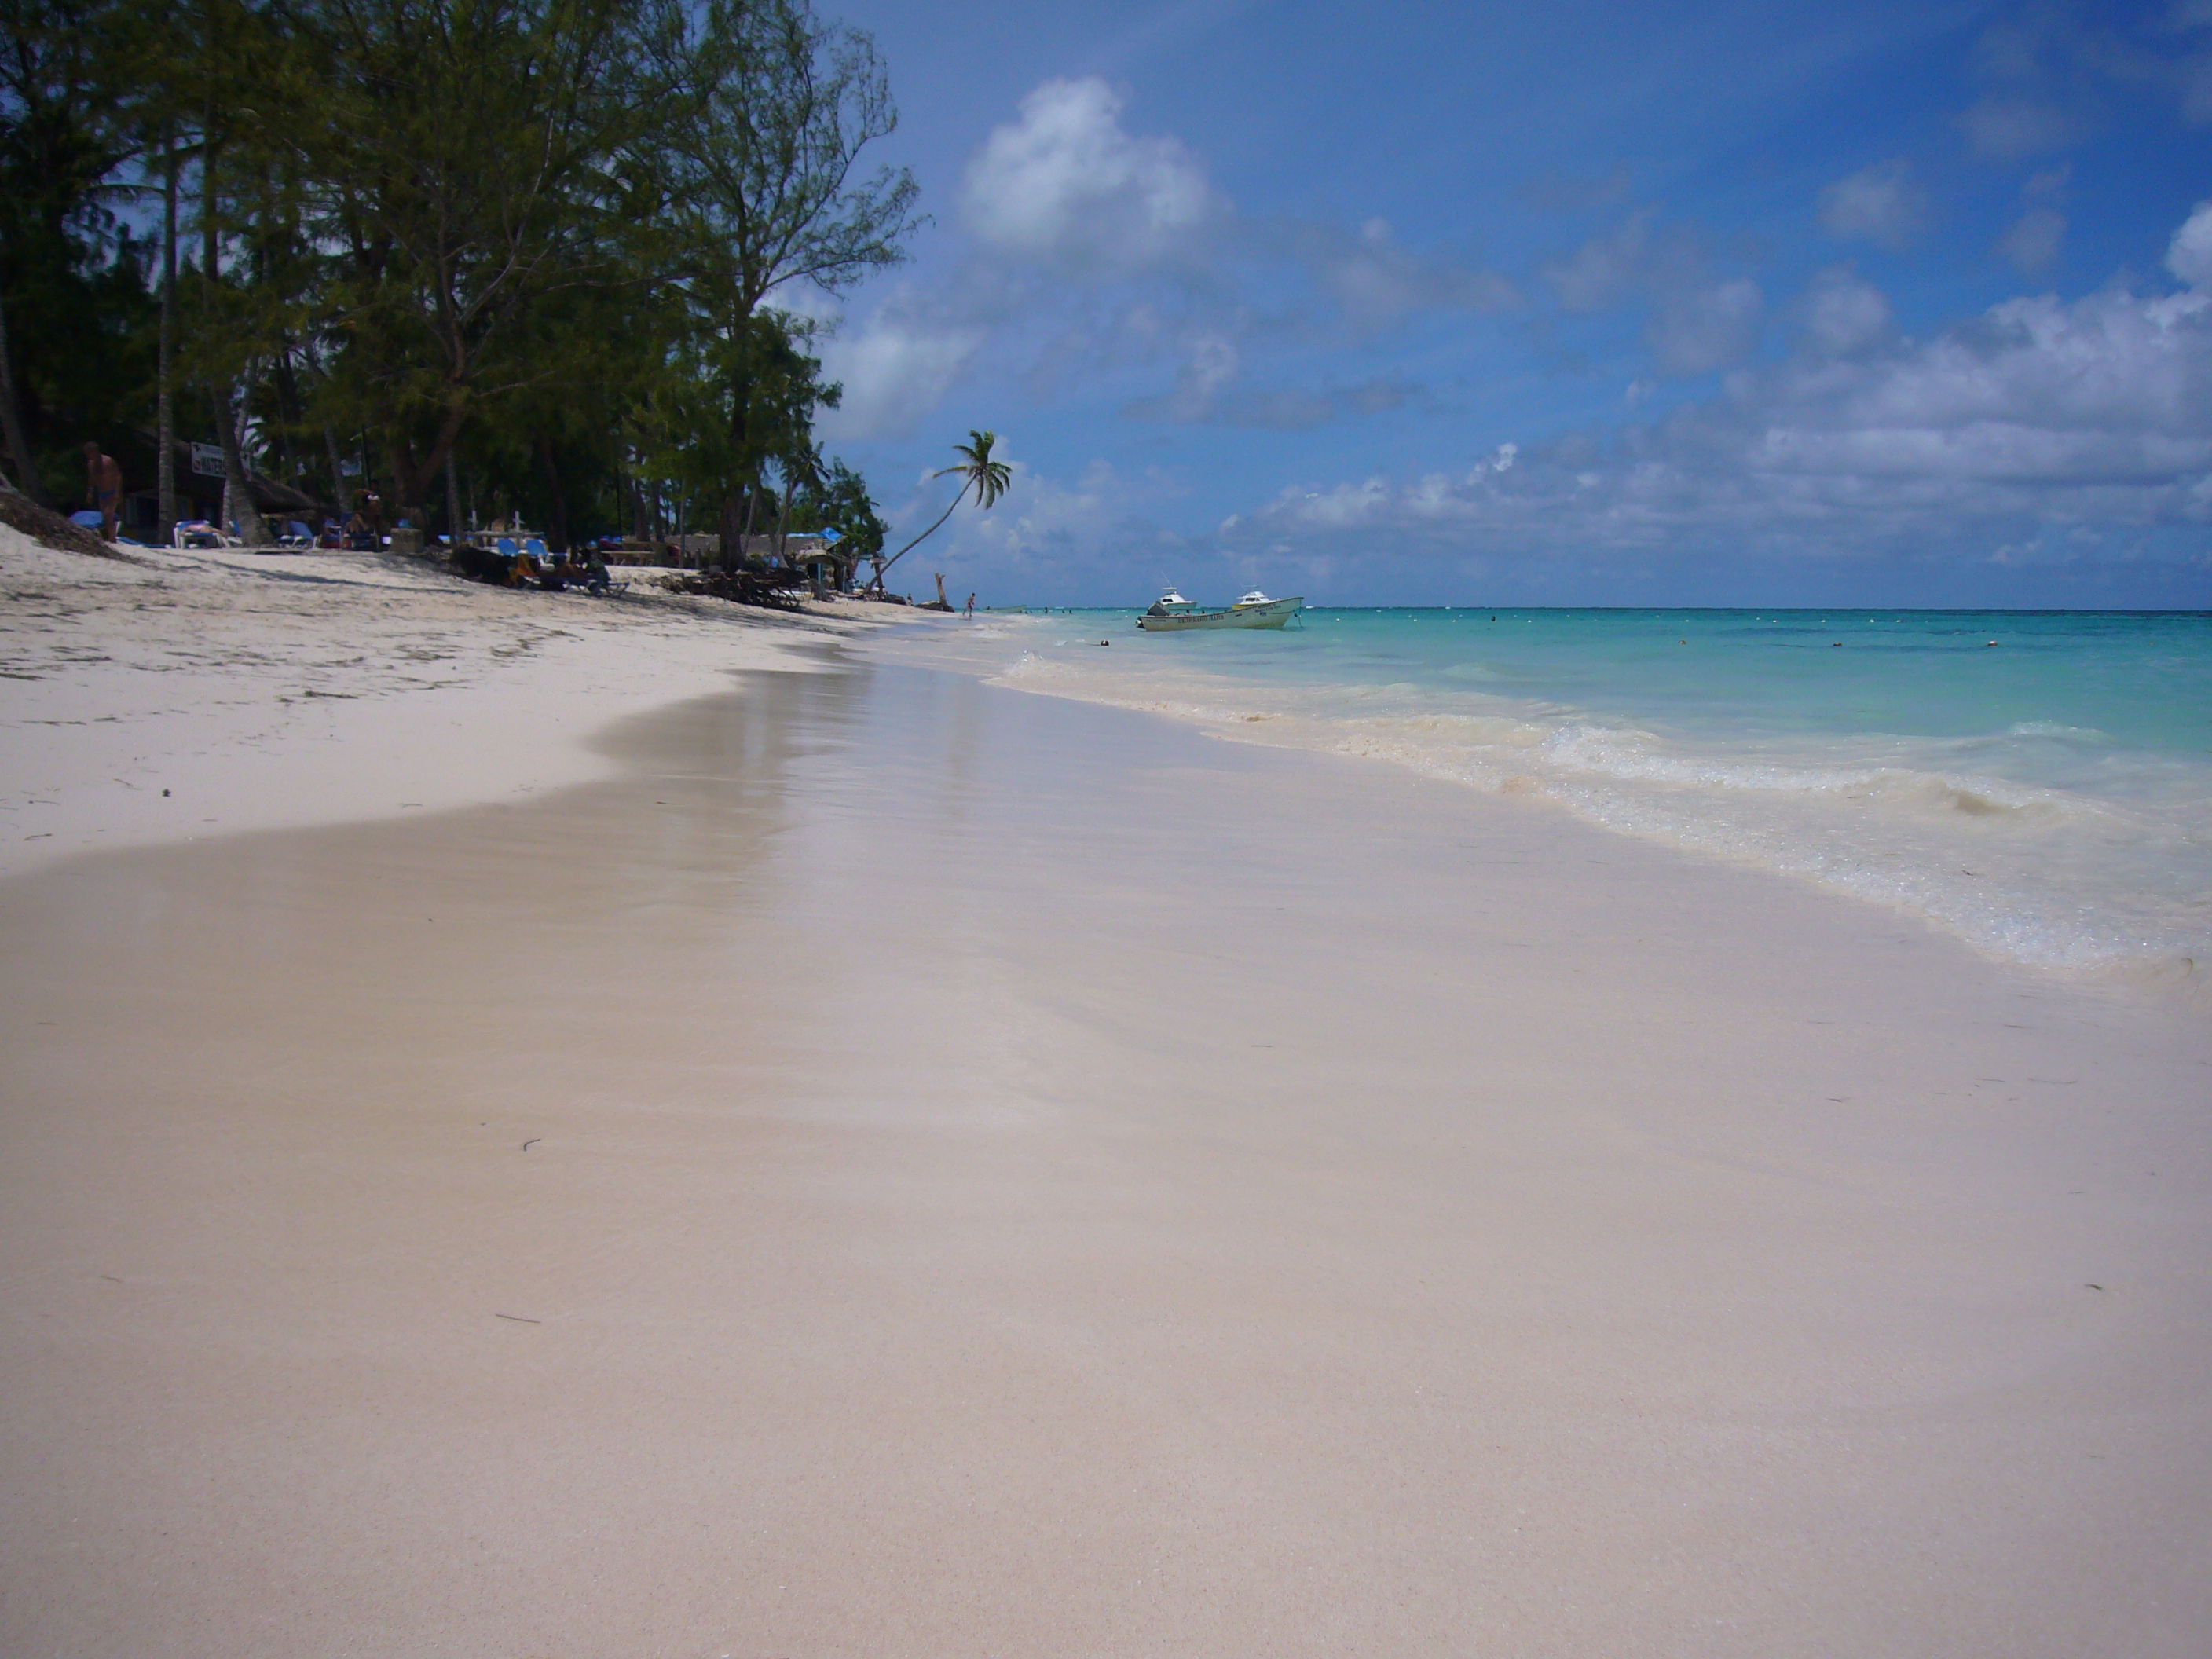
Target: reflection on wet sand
{"points": [[908, 1166]]}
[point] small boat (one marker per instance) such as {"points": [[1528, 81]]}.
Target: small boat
{"points": [[1171, 612]]}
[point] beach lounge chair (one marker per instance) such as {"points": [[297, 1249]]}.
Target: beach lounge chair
{"points": [[592, 576], [522, 566]]}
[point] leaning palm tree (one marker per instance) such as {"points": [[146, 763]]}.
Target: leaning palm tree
{"points": [[989, 479]]}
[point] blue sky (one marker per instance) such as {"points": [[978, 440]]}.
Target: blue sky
{"points": [[1591, 303]]}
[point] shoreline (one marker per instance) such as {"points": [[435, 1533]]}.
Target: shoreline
{"points": [[2090, 887], [179, 696], [896, 1163]]}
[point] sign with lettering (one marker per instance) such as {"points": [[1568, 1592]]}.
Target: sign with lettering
{"points": [[207, 460]]}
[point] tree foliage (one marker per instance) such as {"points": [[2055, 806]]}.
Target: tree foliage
{"points": [[533, 247]]}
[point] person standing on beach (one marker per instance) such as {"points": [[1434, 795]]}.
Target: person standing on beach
{"points": [[103, 488], [971, 604]]}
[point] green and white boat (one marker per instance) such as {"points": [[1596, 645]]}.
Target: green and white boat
{"points": [[1171, 612]]}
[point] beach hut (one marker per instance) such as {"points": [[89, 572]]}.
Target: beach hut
{"points": [[199, 493]]}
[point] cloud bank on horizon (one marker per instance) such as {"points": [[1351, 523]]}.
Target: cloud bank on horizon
{"points": [[1955, 348]]}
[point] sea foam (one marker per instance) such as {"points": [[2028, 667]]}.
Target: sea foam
{"points": [[2049, 802]]}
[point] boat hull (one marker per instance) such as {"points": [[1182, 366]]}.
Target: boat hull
{"points": [[1273, 614]]}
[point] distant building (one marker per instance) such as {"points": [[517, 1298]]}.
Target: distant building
{"points": [[199, 495]]}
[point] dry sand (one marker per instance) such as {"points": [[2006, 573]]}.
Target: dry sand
{"points": [[264, 690], [899, 1167]]}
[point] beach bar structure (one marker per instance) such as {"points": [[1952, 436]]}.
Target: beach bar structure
{"points": [[196, 470]]}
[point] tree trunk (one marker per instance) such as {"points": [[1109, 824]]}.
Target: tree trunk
{"points": [[737, 529], [883, 564], [238, 507], [164, 415], [736, 524], [733, 550], [411, 474], [407, 479], [11, 420], [284, 388], [453, 497], [556, 524], [337, 474]]}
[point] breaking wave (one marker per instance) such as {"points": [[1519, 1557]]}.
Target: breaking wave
{"points": [[2040, 840]]}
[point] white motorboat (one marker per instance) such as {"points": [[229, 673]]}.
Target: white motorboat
{"points": [[1171, 612]]}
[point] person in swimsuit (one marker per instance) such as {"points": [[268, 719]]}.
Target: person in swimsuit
{"points": [[104, 489]]}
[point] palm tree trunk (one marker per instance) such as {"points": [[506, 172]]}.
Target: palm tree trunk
{"points": [[919, 540]]}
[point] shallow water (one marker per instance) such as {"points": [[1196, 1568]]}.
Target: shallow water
{"points": [[2038, 783]]}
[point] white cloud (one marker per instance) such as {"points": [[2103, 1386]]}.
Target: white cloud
{"points": [[1883, 204], [1845, 314], [1064, 183], [1094, 251], [1377, 281], [2040, 421], [1036, 517], [2005, 128], [1210, 363], [894, 371], [1696, 329], [1696, 322], [1605, 269], [2031, 244], [2190, 255], [1055, 540]]}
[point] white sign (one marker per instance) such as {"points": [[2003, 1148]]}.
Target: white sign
{"points": [[207, 460]]}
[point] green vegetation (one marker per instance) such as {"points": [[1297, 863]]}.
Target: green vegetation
{"points": [[487, 256]]}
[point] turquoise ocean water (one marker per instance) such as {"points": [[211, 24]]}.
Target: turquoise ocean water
{"points": [[2038, 783]]}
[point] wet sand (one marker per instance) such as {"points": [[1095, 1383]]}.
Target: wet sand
{"points": [[903, 1167]]}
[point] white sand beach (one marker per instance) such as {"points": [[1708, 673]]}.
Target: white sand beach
{"points": [[261, 690], [859, 1161]]}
